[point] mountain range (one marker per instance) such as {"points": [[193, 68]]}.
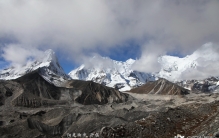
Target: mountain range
{"points": [[121, 75], [118, 74]]}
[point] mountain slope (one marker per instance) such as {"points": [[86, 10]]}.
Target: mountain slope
{"points": [[32, 90], [161, 86], [48, 67], [94, 93], [116, 74]]}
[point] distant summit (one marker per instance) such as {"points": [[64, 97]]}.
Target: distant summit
{"points": [[162, 87], [47, 66], [116, 74]]}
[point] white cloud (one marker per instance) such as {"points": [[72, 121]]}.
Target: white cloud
{"points": [[19, 55], [79, 25], [207, 63], [98, 61], [149, 59]]}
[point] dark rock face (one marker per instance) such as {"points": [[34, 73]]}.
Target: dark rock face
{"points": [[201, 87], [35, 84], [94, 93], [33, 91], [161, 86], [7, 89]]}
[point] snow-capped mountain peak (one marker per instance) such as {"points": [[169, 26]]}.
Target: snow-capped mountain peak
{"points": [[49, 55], [121, 75], [130, 61], [173, 67], [115, 74], [194, 66], [47, 65]]}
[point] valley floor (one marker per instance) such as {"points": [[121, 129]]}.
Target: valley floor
{"points": [[143, 116]]}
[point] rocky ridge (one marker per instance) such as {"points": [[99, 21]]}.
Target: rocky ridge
{"points": [[162, 87]]}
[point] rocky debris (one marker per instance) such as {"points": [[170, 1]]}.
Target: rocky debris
{"points": [[161, 86], [94, 93], [190, 120], [116, 120]]}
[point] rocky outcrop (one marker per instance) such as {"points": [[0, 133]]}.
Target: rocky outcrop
{"points": [[27, 100], [7, 89], [33, 83], [94, 93], [162, 87], [33, 91]]}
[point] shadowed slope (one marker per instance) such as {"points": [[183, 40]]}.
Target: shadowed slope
{"points": [[36, 85]]}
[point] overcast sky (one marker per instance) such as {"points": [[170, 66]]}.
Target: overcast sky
{"points": [[120, 29]]}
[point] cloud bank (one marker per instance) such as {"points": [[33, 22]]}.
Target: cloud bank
{"points": [[18, 55], [74, 27], [207, 63]]}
